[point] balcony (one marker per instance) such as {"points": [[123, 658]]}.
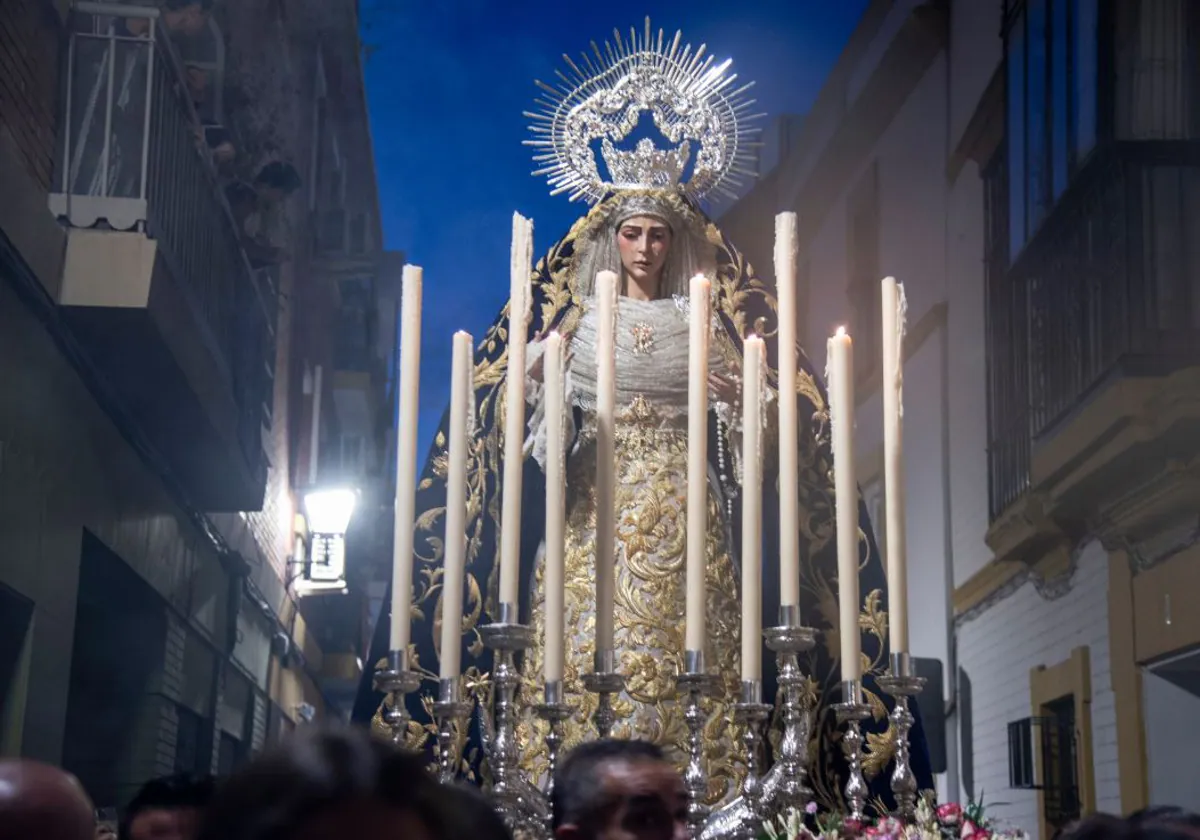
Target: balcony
{"points": [[1095, 337], [156, 284]]}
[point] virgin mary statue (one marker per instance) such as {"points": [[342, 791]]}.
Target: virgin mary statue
{"points": [[647, 226]]}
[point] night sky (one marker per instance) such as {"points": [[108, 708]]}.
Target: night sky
{"points": [[447, 82]]}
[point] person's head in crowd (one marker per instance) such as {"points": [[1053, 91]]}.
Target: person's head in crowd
{"points": [[1160, 822], [1098, 827], [330, 785], [168, 808], [618, 790], [1166, 822], [276, 181], [472, 815], [37, 800], [185, 17]]}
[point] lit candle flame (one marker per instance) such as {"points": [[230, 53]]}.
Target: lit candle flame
{"points": [[841, 332]]}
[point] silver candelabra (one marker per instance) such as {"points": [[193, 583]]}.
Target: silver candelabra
{"points": [[851, 712], [525, 805], [901, 684]]}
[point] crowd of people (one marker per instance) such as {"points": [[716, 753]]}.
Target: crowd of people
{"points": [[343, 784]]}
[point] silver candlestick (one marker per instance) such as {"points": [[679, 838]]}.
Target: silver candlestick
{"points": [[788, 641], [751, 712], [449, 712], [604, 682], [397, 681], [901, 684], [694, 685], [516, 800], [555, 712], [851, 712]]}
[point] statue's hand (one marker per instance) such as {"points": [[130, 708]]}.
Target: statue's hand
{"points": [[724, 388]]}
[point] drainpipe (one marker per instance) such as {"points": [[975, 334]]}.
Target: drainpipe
{"points": [[953, 737], [315, 445]]}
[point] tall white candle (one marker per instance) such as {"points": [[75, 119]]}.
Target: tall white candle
{"points": [[406, 458], [754, 358], [893, 304], [606, 398], [461, 376], [555, 508], [789, 451], [841, 418], [514, 415], [697, 478]]}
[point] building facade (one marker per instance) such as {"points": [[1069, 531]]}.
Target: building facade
{"points": [[195, 308], [1028, 170]]}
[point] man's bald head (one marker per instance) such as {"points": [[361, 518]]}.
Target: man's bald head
{"points": [[37, 800]]}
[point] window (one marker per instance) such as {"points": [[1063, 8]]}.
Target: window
{"points": [[1060, 782], [1052, 78], [862, 259], [1158, 70]]}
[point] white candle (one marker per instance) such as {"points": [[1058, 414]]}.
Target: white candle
{"points": [[552, 367], [461, 382], [514, 415], [697, 478], [606, 398], [753, 355], [841, 418], [406, 458], [789, 451], [893, 460]]}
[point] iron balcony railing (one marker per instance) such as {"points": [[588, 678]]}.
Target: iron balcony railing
{"points": [[1110, 285], [130, 158]]}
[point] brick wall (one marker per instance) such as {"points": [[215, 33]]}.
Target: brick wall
{"points": [[29, 42], [998, 647]]}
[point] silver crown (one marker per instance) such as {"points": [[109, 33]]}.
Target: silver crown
{"points": [[602, 98], [646, 165]]}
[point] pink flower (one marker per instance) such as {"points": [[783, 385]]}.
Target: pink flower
{"points": [[950, 814], [810, 808], [970, 831], [890, 826]]}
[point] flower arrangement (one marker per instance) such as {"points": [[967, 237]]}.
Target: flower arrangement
{"points": [[950, 821]]}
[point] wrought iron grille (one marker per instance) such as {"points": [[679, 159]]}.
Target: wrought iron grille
{"points": [[1109, 285], [1042, 755]]}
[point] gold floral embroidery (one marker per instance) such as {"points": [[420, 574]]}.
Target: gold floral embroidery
{"points": [[651, 533]]}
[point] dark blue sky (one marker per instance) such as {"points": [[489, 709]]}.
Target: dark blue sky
{"points": [[447, 82]]}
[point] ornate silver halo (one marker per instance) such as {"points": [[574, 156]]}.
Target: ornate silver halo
{"points": [[690, 96]]}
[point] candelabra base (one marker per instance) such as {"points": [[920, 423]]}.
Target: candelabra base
{"points": [[604, 684], [851, 713], [521, 805], [449, 716], [901, 684], [787, 788], [752, 716], [397, 682], [693, 687]]}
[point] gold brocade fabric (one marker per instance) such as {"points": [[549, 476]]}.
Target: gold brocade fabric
{"points": [[651, 482]]}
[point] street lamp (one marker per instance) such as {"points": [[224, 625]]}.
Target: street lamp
{"points": [[328, 512]]}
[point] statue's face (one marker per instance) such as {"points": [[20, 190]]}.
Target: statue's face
{"points": [[644, 243]]}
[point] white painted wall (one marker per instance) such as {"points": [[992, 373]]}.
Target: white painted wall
{"points": [[975, 52], [1170, 715], [966, 371], [999, 646]]}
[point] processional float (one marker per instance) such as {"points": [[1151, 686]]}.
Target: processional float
{"points": [[692, 99]]}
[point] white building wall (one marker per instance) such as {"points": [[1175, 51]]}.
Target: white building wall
{"points": [[1001, 644], [975, 51], [966, 370]]}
